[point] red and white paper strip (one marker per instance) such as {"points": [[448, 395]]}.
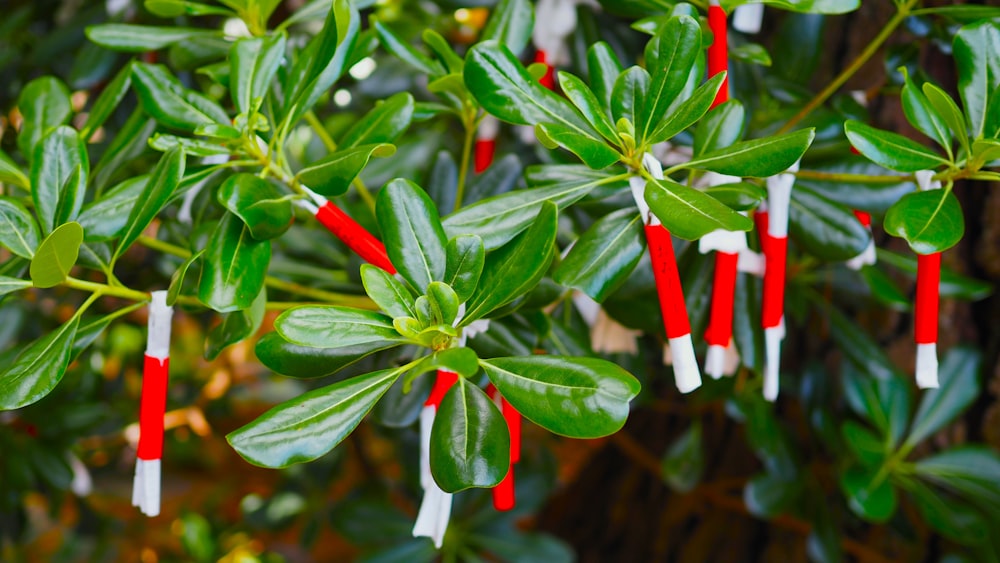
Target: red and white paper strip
{"points": [[668, 285], [342, 226], [435, 508], [155, 373], [867, 256], [555, 20], [928, 302], [747, 18], [718, 51], [775, 245], [503, 494], [486, 143]]}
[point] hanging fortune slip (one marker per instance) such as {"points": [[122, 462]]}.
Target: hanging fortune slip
{"points": [[342, 226], [153, 404], [927, 304], [867, 256]]}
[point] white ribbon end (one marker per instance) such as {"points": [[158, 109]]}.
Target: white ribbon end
{"points": [[82, 484], [160, 314], [146, 486], [426, 423], [715, 361], [748, 18], [772, 361], [730, 242], [866, 258], [750, 262], [925, 181], [611, 337], [432, 520], [587, 307], [927, 366], [489, 128], [686, 373]]}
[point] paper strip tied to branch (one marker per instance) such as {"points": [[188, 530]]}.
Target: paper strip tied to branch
{"points": [[152, 408], [927, 305], [342, 226]]}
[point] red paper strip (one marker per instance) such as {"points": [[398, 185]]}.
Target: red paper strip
{"points": [[668, 282], [484, 151], [928, 298], [548, 79], [513, 419], [718, 51], [445, 379], [776, 253], [720, 324], [864, 217], [503, 494], [155, 373], [363, 243]]}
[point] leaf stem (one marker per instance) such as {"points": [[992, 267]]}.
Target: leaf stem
{"points": [[852, 178], [856, 64], [100, 289], [463, 170], [321, 131]]}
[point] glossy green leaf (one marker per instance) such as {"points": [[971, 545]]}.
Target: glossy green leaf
{"points": [[18, 230], [161, 186], [684, 462], [930, 221], [604, 256], [975, 50], [807, 6], [462, 361], [589, 106], [869, 494], [262, 207], [959, 378], [253, 63], [235, 327], [387, 292], [891, 150], [10, 173], [312, 424], [470, 446], [383, 124], [402, 50], [504, 88], [44, 104], [511, 23], [670, 55], [56, 256], [575, 397], [10, 285], [174, 8], [604, 69], [307, 362], [332, 175], [177, 278], [59, 173], [824, 228], [954, 519], [594, 152], [689, 112], [234, 267], [922, 115], [722, 127], [751, 53], [443, 302], [141, 38], [465, 257], [768, 496], [629, 94], [515, 268], [946, 107], [36, 371], [111, 96], [689, 213], [411, 229], [858, 347], [444, 51], [738, 196], [165, 99], [969, 469], [864, 444], [758, 158], [885, 403], [328, 326]]}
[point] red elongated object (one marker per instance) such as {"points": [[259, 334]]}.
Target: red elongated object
{"points": [[359, 240], [718, 51], [774, 282], [484, 151], [720, 325], [864, 217], [668, 282], [928, 298], [503, 493], [442, 384], [152, 407], [548, 79]]}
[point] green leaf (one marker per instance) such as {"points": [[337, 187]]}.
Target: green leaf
{"points": [[922, 115], [59, 170], [866, 446], [264, 209], [871, 499], [307, 362], [670, 55], [235, 326], [44, 104], [977, 464], [312, 424], [946, 107], [604, 256], [891, 150], [56, 256], [824, 228], [412, 232], [328, 326], [387, 292], [684, 461], [161, 186], [107, 102], [959, 373], [930, 221], [443, 302], [462, 361], [738, 196], [385, 123], [885, 403], [177, 278], [10, 285], [689, 112], [504, 88], [510, 23], [465, 257], [604, 69], [858, 347], [470, 446], [751, 53], [10, 173], [174, 8], [805, 6], [586, 101], [574, 397], [141, 38], [954, 519], [165, 99], [975, 50], [689, 213], [234, 267], [759, 158], [515, 268], [591, 150], [629, 94], [18, 230], [333, 174], [768, 495], [36, 371], [722, 127], [253, 63], [402, 50]]}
